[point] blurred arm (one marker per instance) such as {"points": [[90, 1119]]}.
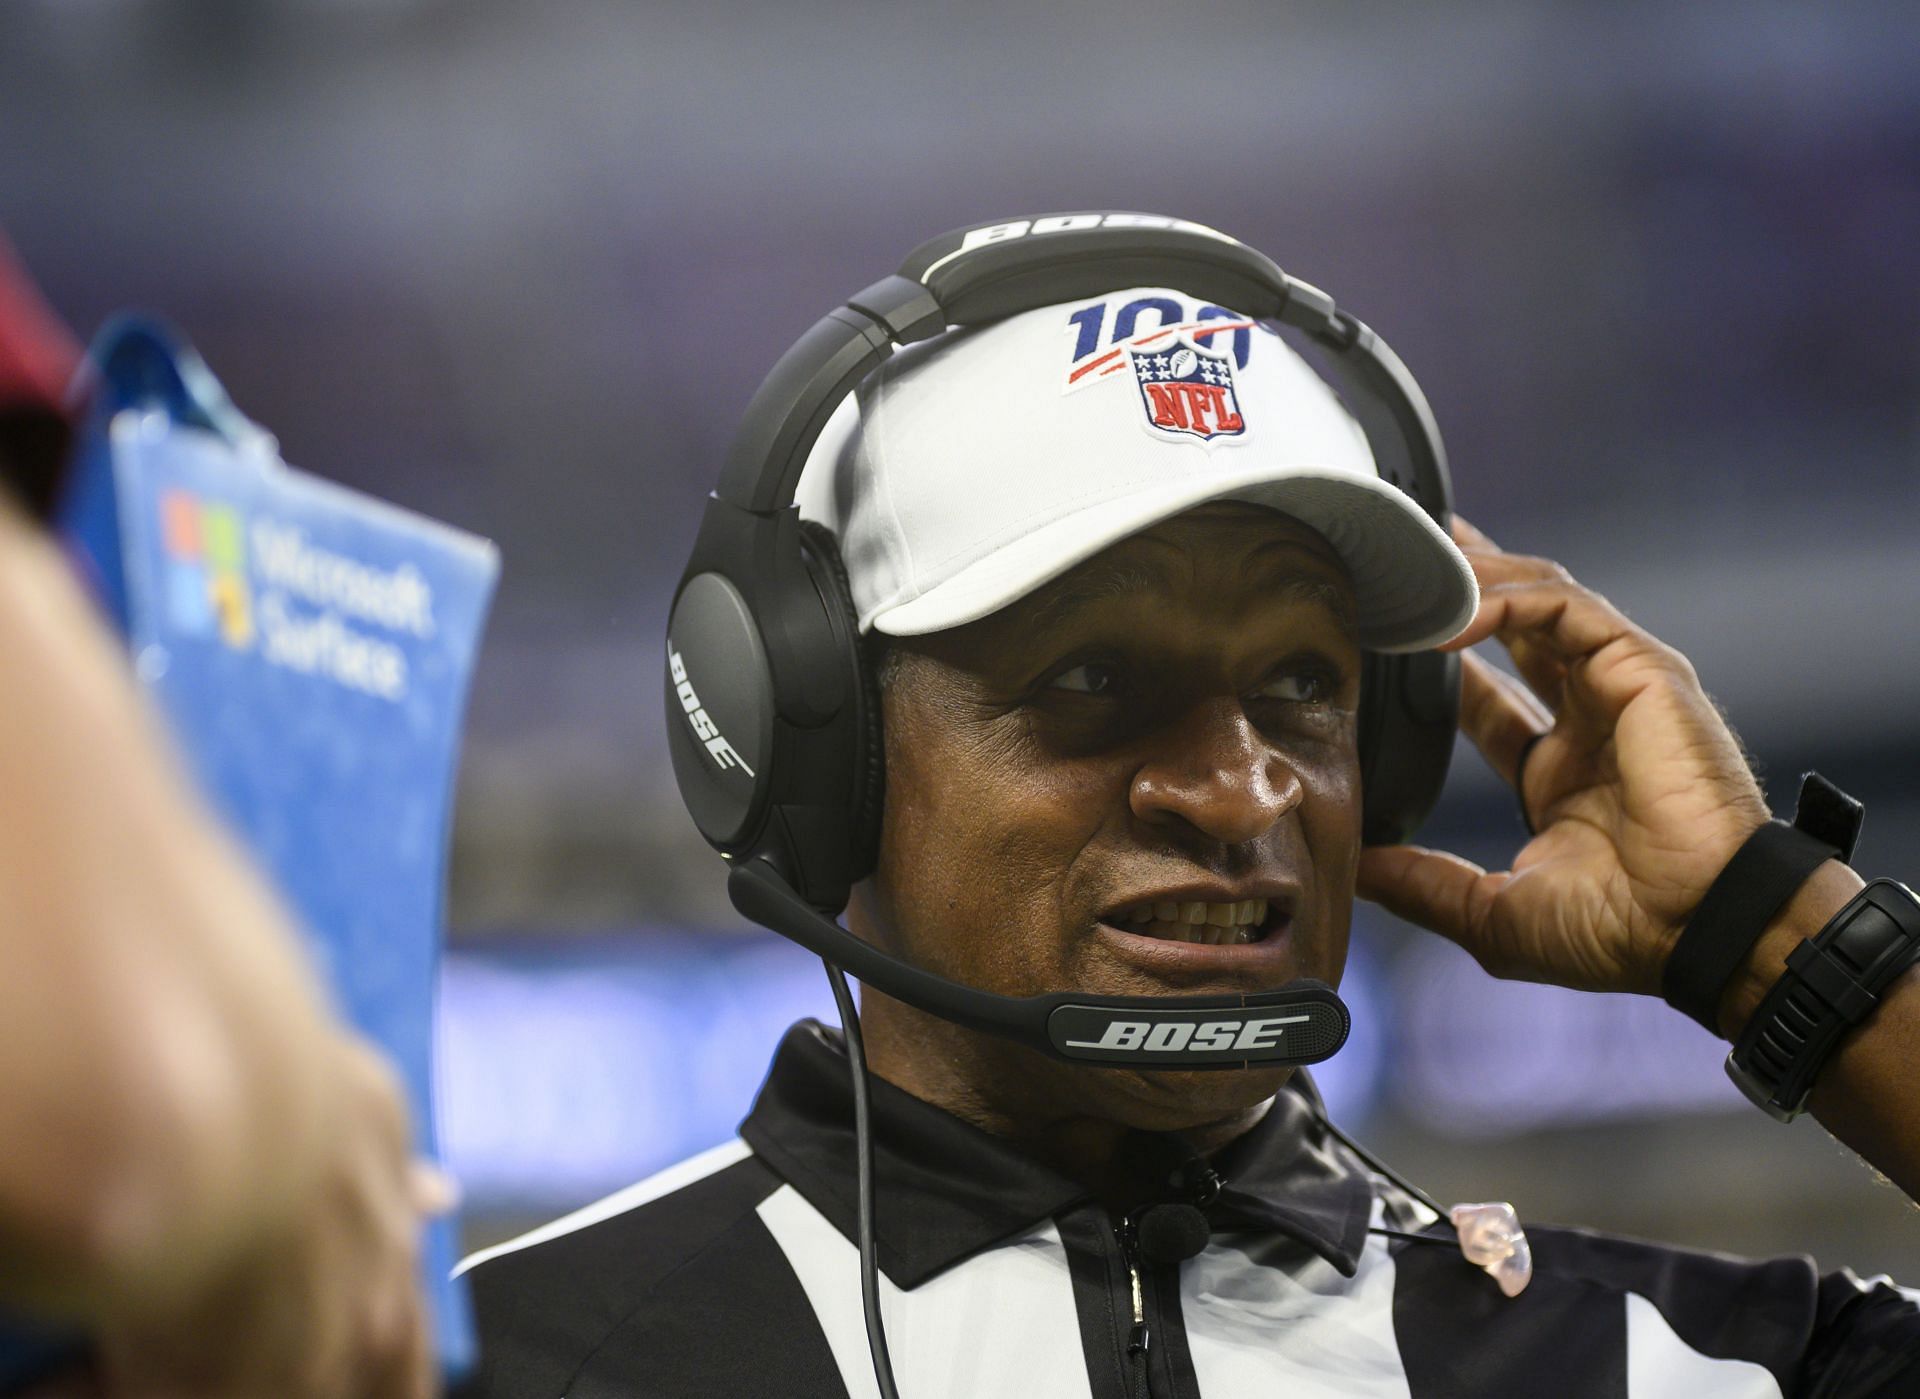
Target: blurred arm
{"points": [[160, 1084], [201, 1168]]}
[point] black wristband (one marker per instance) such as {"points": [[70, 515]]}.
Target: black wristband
{"points": [[1832, 982], [1755, 885]]}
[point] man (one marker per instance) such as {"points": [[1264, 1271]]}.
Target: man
{"points": [[1119, 688]]}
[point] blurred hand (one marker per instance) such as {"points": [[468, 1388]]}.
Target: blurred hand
{"points": [[1638, 790], [323, 1300]]}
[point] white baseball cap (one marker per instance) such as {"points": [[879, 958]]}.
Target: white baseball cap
{"points": [[972, 468]]}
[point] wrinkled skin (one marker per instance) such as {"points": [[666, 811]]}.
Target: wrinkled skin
{"points": [[1180, 708]]}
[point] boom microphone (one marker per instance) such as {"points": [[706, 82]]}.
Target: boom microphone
{"points": [[1301, 1023]]}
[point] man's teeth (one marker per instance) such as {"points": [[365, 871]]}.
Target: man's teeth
{"points": [[1196, 921]]}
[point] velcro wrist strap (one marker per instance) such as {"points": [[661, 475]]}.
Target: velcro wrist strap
{"points": [[1828, 814], [1755, 885]]}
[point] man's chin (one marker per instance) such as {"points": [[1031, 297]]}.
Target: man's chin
{"points": [[1165, 1101], [1008, 1087]]}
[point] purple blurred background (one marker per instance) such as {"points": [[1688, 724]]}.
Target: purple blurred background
{"points": [[520, 266]]}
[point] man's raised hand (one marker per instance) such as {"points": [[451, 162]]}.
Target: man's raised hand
{"points": [[1637, 789]]}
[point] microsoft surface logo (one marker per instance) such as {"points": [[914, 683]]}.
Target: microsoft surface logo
{"points": [[206, 568]]}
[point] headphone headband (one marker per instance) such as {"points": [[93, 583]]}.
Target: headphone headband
{"points": [[998, 270], [989, 273]]}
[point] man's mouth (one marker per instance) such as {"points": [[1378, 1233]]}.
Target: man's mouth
{"points": [[1195, 920]]}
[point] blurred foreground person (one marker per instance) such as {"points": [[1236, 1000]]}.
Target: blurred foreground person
{"points": [[1124, 583], [201, 1172]]}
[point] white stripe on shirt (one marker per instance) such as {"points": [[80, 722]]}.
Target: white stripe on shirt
{"points": [[644, 1192], [1662, 1366], [1262, 1321], [1000, 1323]]}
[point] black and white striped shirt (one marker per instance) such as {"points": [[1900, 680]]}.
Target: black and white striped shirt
{"points": [[734, 1274]]}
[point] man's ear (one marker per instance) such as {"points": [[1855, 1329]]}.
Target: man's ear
{"points": [[866, 919], [882, 658]]}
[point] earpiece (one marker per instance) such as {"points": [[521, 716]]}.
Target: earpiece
{"points": [[830, 575]]}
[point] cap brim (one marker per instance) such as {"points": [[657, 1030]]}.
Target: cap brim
{"points": [[1413, 587]]}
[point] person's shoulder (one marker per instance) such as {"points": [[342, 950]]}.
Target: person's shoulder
{"points": [[543, 1302], [683, 1203], [1664, 1309]]}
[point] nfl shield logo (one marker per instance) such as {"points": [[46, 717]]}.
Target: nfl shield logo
{"points": [[1187, 392]]}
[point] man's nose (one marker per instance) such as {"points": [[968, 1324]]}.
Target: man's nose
{"points": [[1212, 770]]}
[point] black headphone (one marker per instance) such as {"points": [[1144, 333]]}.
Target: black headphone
{"points": [[773, 714]]}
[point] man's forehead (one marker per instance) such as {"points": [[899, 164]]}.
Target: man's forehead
{"points": [[1284, 559], [1257, 527]]}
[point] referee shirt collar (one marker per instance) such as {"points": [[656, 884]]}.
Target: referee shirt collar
{"points": [[947, 1190]]}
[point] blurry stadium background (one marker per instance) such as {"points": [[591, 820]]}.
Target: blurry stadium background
{"points": [[521, 265]]}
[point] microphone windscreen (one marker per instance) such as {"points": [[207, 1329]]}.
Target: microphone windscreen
{"points": [[1172, 1233]]}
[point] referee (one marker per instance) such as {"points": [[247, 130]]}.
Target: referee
{"points": [[1121, 759]]}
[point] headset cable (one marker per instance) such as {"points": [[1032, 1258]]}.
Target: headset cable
{"points": [[863, 1147]]}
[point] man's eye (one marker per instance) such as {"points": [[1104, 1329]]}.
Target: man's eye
{"points": [[1090, 678], [1299, 687]]}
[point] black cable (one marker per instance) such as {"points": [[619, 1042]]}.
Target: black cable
{"points": [[1382, 1167], [1453, 1243], [863, 1149]]}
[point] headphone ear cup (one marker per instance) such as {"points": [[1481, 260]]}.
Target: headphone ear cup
{"points": [[1409, 713], [1375, 676], [829, 572]]}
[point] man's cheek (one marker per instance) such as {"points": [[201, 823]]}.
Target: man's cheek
{"points": [[1333, 816], [1003, 928], [964, 923]]}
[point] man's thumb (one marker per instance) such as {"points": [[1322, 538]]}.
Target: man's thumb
{"points": [[1431, 888]]}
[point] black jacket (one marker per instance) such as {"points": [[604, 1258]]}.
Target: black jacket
{"points": [[733, 1275]]}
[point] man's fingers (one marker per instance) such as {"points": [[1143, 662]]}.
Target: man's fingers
{"points": [[1543, 670], [422, 1375], [1538, 664], [1492, 564], [1498, 566], [367, 1073], [1500, 715], [435, 1192], [1470, 537], [1433, 889], [1566, 620], [398, 1358]]}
